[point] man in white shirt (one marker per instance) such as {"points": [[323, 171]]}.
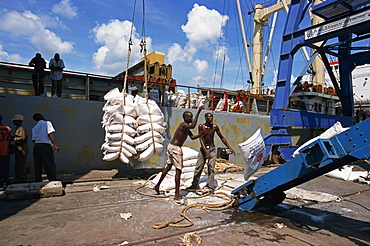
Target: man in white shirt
{"points": [[56, 66], [43, 153]]}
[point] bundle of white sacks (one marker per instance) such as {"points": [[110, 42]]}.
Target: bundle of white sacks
{"points": [[133, 127], [190, 157]]}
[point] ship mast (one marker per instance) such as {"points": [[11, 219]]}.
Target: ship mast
{"points": [[244, 38], [261, 16]]}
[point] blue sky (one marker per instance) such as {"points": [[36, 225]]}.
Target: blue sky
{"points": [[91, 36]]}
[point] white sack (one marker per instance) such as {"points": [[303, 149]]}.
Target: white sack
{"points": [[130, 121], [123, 158], [148, 135], [118, 128], [113, 93], [110, 148], [146, 154], [149, 108], [150, 126], [168, 182], [129, 148], [190, 162], [113, 143], [125, 152], [152, 149], [253, 151], [139, 100], [189, 153], [346, 173], [188, 170], [113, 135], [329, 133], [113, 109], [143, 146], [144, 119], [108, 156]]}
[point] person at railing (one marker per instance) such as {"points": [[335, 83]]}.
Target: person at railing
{"points": [[56, 66], [39, 65]]}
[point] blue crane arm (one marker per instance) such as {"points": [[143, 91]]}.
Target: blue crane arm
{"points": [[316, 159]]}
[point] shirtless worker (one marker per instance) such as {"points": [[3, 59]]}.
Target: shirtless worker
{"points": [[206, 132], [174, 151]]}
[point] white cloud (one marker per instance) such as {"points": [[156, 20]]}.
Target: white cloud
{"points": [[4, 56], [30, 26], [177, 54], [201, 66], [203, 30], [203, 26], [111, 57], [198, 80], [66, 9]]}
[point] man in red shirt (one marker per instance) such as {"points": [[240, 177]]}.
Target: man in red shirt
{"points": [[5, 137]]}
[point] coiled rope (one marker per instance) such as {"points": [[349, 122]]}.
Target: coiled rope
{"points": [[230, 200]]}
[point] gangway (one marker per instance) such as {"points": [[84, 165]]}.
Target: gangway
{"points": [[316, 159]]}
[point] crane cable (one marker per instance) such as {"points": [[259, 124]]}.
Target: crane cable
{"points": [[125, 78], [143, 50]]}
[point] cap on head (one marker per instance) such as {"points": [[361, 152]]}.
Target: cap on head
{"points": [[18, 117]]}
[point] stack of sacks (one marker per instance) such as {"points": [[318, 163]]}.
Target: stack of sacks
{"points": [[169, 99], [120, 126], [181, 99], [202, 100], [197, 100], [190, 157], [194, 100], [150, 129]]}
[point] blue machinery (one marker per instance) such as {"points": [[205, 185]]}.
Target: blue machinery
{"points": [[348, 21], [320, 157], [345, 29]]}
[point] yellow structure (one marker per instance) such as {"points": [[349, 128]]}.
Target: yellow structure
{"points": [[155, 57]]}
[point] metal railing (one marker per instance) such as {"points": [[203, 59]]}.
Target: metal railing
{"points": [[16, 79]]}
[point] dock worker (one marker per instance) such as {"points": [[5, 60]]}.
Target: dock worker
{"points": [[43, 154], [174, 151], [208, 152], [21, 149], [5, 138]]}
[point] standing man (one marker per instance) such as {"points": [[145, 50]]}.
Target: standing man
{"points": [[5, 137], [43, 154], [56, 66], [174, 151], [39, 65], [21, 141], [208, 151]]}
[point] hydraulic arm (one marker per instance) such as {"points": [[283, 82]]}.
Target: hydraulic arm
{"points": [[316, 159]]}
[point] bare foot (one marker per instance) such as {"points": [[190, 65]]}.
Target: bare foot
{"points": [[156, 188], [177, 198]]}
